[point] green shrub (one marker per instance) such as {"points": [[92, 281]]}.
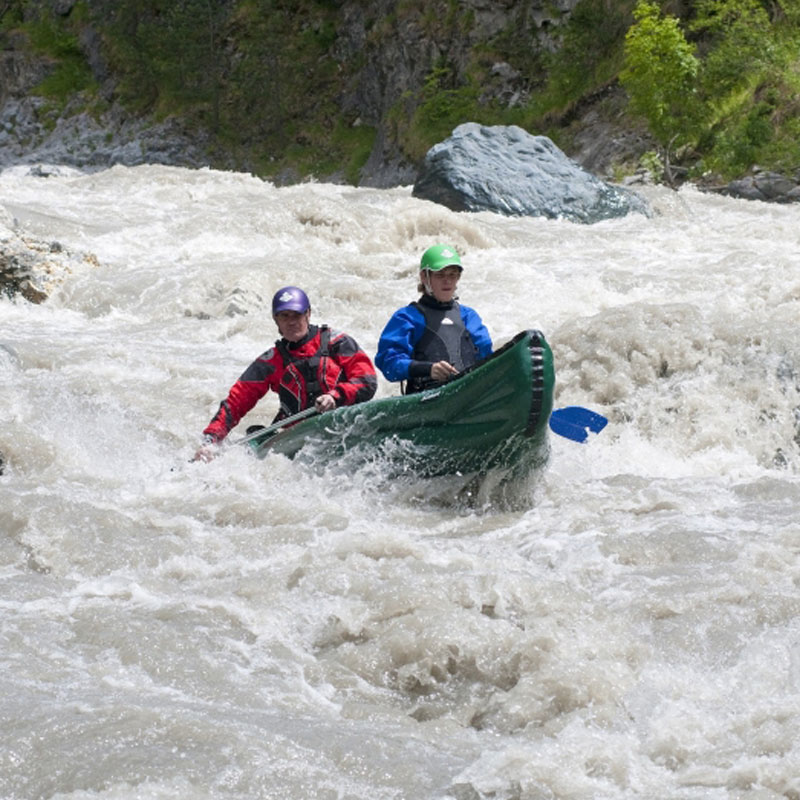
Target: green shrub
{"points": [[651, 161], [440, 107], [738, 41], [71, 73], [591, 51], [660, 76]]}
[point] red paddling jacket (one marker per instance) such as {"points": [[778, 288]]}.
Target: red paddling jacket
{"points": [[323, 362]]}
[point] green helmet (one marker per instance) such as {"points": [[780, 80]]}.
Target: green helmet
{"points": [[440, 256]]}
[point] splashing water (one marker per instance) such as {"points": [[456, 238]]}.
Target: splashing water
{"points": [[252, 629]]}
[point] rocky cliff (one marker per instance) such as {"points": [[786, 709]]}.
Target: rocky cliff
{"points": [[388, 75], [354, 91]]}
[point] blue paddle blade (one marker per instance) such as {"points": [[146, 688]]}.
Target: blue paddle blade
{"points": [[576, 423]]}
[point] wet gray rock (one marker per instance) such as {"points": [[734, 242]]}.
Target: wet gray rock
{"points": [[770, 187], [506, 170], [83, 141], [32, 268]]}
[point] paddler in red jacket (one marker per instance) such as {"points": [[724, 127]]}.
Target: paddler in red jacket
{"points": [[309, 365]]}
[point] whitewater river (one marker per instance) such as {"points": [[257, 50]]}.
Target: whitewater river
{"points": [[627, 625]]}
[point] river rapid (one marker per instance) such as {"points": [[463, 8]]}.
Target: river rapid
{"points": [[626, 626]]}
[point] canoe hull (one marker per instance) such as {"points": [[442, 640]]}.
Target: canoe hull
{"points": [[494, 414]]}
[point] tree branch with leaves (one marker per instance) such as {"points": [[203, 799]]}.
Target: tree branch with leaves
{"points": [[660, 75]]}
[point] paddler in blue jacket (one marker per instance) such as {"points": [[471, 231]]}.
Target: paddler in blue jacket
{"points": [[434, 338]]}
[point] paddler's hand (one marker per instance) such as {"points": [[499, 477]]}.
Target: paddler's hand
{"points": [[207, 451], [325, 402], [442, 371]]}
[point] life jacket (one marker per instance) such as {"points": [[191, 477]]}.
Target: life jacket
{"points": [[304, 379], [445, 338]]}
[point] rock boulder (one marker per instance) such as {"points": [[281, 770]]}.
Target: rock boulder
{"points": [[32, 268], [509, 171], [770, 187]]}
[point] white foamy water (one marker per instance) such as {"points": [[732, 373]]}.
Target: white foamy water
{"points": [[627, 627]]}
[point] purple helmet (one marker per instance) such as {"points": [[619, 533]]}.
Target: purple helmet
{"points": [[290, 298]]}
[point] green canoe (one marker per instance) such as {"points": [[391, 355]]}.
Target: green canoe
{"points": [[494, 414]]}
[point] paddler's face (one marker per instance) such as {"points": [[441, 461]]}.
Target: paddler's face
{"points": [[443, 283], [292, 325]]}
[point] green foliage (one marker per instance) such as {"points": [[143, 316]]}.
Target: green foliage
{"points": [[763, 128], [265, 78], [71, 73], [739, 43], [749, 80], [168, 54], [440, 107], [281, 85], [591, 51], [342, 152], [727, 100], [660, 75], [651, 161], [354, 144], [11, 14], [789, 10], [443, 104]]}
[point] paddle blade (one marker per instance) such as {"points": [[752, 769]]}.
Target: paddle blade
{"points": [[576, 423]]}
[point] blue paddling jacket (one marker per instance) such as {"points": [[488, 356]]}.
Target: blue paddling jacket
{"points": [[426, 331]]}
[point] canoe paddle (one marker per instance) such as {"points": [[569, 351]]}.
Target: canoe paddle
{"points": [[209, 451], [576, 423], [276, 426]]}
